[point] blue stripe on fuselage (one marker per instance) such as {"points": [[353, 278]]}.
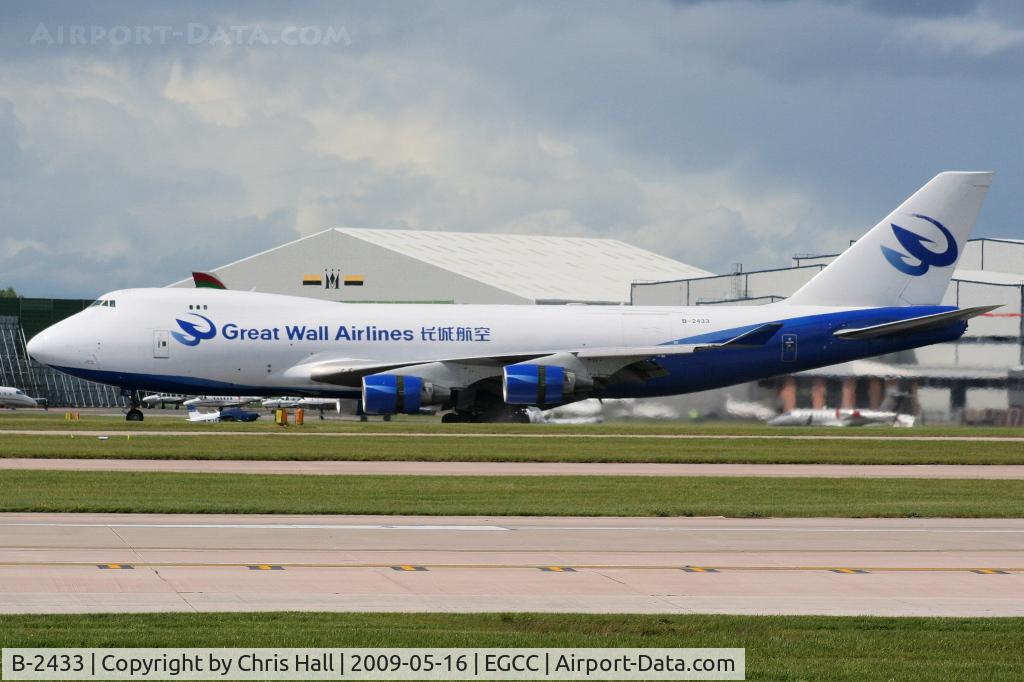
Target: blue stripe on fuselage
{"points": [[815, 347]]}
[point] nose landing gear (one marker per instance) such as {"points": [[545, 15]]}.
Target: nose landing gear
{"points": [[134, 414]]}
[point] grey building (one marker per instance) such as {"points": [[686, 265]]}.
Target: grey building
{"points": [[364, 266], [975, 379]]}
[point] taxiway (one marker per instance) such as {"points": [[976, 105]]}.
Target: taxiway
{"points": [[52, 563]]}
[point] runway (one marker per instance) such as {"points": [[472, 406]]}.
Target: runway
{"points": [[407, 468], [56, 563]]}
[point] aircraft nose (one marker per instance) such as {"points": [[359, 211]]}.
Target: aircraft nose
{"points": [[40, 347]]}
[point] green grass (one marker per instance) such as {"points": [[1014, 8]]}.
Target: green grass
{"points": [[176, 420], [513, 449], [778, 647], [72, 491]]}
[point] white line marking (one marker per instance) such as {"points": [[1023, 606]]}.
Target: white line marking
{"points": [[261, 526]]}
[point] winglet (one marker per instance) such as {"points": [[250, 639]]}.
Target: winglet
{"points": [[205, 280]]}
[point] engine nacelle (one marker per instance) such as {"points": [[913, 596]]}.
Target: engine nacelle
{"points": [[394, 393], [526, 384]]}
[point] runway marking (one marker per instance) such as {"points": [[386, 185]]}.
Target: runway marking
{"points": [[990, 571], [558, 569], [408, 567], [848, 570], [657, 436], [260, 526], [513, 528], [116, 567], [747, 529], [266, 567], [699, 569]]}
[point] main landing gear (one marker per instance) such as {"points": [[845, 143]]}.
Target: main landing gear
{"points": [[134, 414], [460, 417]]}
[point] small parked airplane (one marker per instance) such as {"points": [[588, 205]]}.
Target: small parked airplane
{"points": [[227, 414], [491, 362], [155, 399], [219, 401], [839, 416], [15, 397]]}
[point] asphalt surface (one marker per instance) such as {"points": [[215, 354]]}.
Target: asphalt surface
{"points": [[917, 471], [56, 563]]}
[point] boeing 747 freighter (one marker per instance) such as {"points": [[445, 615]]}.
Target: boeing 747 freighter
{"points": [[492, 362]]}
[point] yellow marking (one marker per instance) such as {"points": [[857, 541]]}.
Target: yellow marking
{"points": [[989, 571], [408, 567], [113, 565]]}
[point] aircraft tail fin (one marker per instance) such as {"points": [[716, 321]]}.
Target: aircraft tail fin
{"points": [[908, 258], [206, 280]]}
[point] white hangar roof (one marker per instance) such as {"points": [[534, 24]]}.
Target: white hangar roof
{"points": [[524, 268], [534, 267]]}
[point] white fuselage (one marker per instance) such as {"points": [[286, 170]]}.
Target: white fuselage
{"points": [[15, 397], [269, 341]]}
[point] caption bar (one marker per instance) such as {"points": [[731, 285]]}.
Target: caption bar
{"points": [[374, 664]]}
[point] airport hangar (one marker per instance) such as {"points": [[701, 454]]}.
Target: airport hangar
{"points": [[978, 379]]}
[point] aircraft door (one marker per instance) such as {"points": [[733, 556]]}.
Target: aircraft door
{"points": [[789, 347], [161, 347]]}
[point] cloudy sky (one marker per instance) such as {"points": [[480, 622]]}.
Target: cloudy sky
{"points": [[141, 141]]}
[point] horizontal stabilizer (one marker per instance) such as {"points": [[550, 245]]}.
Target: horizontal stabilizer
{"points": [[914, 324]]}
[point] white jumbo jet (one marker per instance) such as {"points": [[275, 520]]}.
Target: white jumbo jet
{"points": [[15, 398], [492, 362]]}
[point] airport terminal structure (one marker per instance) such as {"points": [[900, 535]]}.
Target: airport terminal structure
{"points": [[976, 379]]}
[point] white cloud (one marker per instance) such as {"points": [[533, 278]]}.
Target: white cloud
{"points": [[976, 35], [678, 128]]}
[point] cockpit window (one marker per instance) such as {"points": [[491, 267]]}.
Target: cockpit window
{"points": [[96, 303], [112, 303], [103, 302], [19, 391]]}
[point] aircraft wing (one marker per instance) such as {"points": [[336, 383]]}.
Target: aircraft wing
{"points": [[606, 361]]}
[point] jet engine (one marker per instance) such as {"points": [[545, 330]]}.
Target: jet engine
{"points": [[539, 385], [394, 393]]}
